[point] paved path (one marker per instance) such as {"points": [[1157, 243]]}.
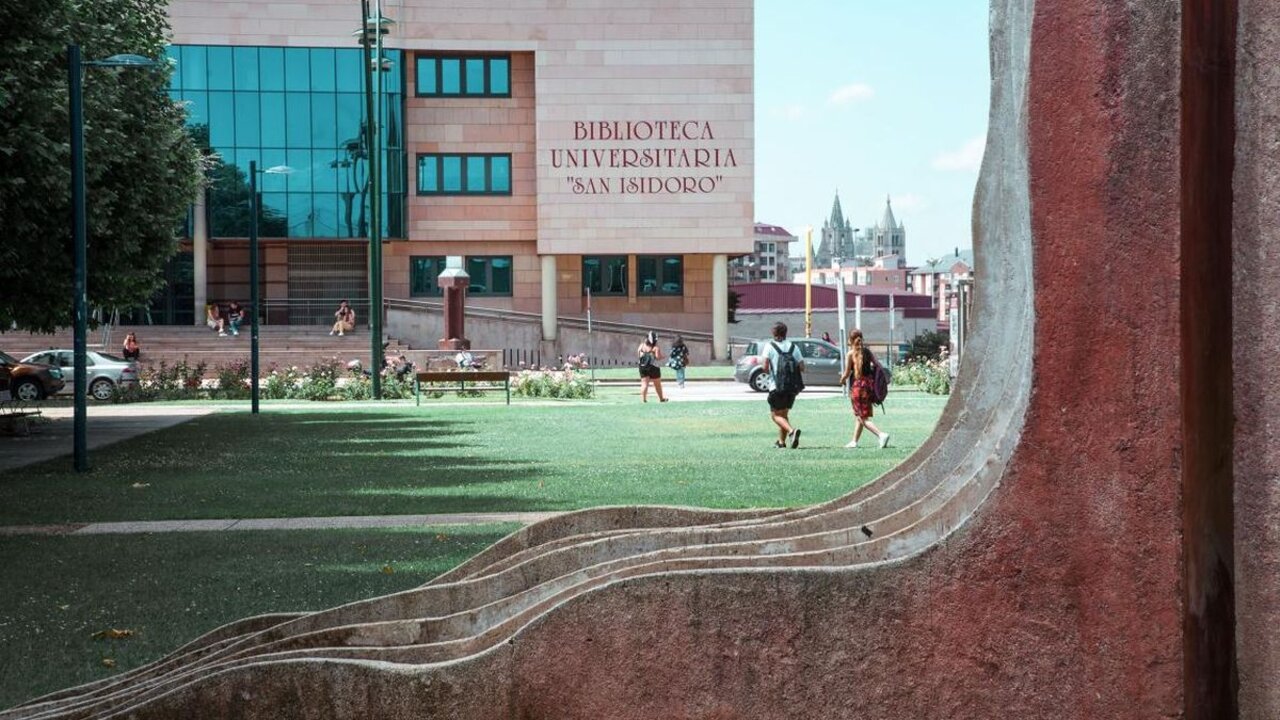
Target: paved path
{"points": [[107, 424], [303, 523]]}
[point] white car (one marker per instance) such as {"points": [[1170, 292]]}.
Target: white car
{"points": [[105, 372]]}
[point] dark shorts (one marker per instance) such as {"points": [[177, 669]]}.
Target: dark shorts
{"points": [[779, 400], [652, 372]]}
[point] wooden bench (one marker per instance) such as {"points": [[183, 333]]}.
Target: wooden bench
{"points": [[461, 377]]}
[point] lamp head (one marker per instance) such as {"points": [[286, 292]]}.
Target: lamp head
{"points": [[126, 60], [278, 170]]}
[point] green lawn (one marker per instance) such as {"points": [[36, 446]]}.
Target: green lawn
{"points": [[479, 457], [169, 589]]}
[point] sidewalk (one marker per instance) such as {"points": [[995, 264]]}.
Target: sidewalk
{"points": [[302, 523], [107, 424]]}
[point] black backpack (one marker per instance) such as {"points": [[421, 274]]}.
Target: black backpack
{"points": [[880, 380], [788, 372]]}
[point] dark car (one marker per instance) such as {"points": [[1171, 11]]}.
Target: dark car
{"points": [[821, 364], [28, 382]]}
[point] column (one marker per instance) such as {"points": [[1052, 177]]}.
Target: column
{"points": [[200, 256], [549, 297], [719, 306]]}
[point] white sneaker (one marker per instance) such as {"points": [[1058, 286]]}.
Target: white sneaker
{"points": [[222, 334], [884, 440], [332, 333], [342, 334], [852, 445]]}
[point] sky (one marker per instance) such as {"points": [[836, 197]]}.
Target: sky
{"points": [[872, 98]]}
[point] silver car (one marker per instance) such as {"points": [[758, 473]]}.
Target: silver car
{"points": [[822, 363], [105, 372]]}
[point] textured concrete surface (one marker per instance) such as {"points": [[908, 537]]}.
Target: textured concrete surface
{"points": [[1257, 402], [1031, 560]]}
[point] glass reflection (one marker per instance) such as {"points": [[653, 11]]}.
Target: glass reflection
{"points": [[301, 107]]}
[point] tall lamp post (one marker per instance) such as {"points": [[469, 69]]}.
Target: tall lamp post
{"points": [[373, 28], [80, 233], [254, 298]]}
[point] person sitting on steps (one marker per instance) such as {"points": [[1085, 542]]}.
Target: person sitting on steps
{"points": [[345, 319], [131, 349], [214, 319]]}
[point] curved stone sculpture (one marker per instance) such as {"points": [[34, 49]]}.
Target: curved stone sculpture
{"points": [[1026, 562]]}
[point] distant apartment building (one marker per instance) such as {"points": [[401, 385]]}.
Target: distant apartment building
{"points": [[771, 261], [940, 277], [887, 272]]}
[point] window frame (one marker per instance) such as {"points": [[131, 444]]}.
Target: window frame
{"points": [[439, 292], [660, 280], [462, 59], [488, 278], [604, 261], [463, 159]]}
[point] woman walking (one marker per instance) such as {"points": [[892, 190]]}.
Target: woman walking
{"points": [[649, 354], [679, 359], [859, 375]]}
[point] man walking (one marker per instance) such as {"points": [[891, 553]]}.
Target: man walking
{"points": [[783, 362]]}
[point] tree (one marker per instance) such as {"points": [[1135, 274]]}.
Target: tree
{"points": [[142, 169]]}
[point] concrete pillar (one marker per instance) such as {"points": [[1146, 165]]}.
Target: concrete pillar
{"points": [[549, 297], [200, 256], [1255, 288], [719, 307]]}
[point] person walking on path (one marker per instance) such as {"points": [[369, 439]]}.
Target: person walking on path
{"points": [[650, 353], [859, 377], [678, 359], [784, 364]]}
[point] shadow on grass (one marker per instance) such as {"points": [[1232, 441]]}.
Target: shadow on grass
{"points": [[295, 464]]}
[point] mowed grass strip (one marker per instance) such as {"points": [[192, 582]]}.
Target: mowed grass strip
{"points": [[168, 589], [400, 460]]}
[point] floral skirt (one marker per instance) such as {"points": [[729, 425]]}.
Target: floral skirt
{"points": [[861, 397]]}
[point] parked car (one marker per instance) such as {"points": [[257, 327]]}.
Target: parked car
{"points": [[106, 372], [28, 381], [821, 363]]}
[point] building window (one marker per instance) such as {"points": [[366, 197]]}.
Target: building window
{"points": [[300, 107], [423, 273], [464, 174], [660, 274], [463, 75], [490, 275], [604, 274]]}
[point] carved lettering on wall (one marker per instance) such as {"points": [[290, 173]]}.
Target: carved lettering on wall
{"points": [[643, 157]]}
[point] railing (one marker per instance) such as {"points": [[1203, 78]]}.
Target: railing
{"points": [[314, 311]]}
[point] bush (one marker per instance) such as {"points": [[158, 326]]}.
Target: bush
{"points": [[233, 381], [928, 345], [552, 384], [931, 376]]}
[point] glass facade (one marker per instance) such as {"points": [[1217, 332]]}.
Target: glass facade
{"points": [[298, 107], [604, 274], [660, 274], [462, 75]]}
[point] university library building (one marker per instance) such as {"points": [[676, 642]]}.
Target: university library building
{"points": [[565, 151]]}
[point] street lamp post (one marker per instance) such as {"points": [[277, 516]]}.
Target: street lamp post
{"points": [[254, 295], [373, 28], [79, 232]]}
